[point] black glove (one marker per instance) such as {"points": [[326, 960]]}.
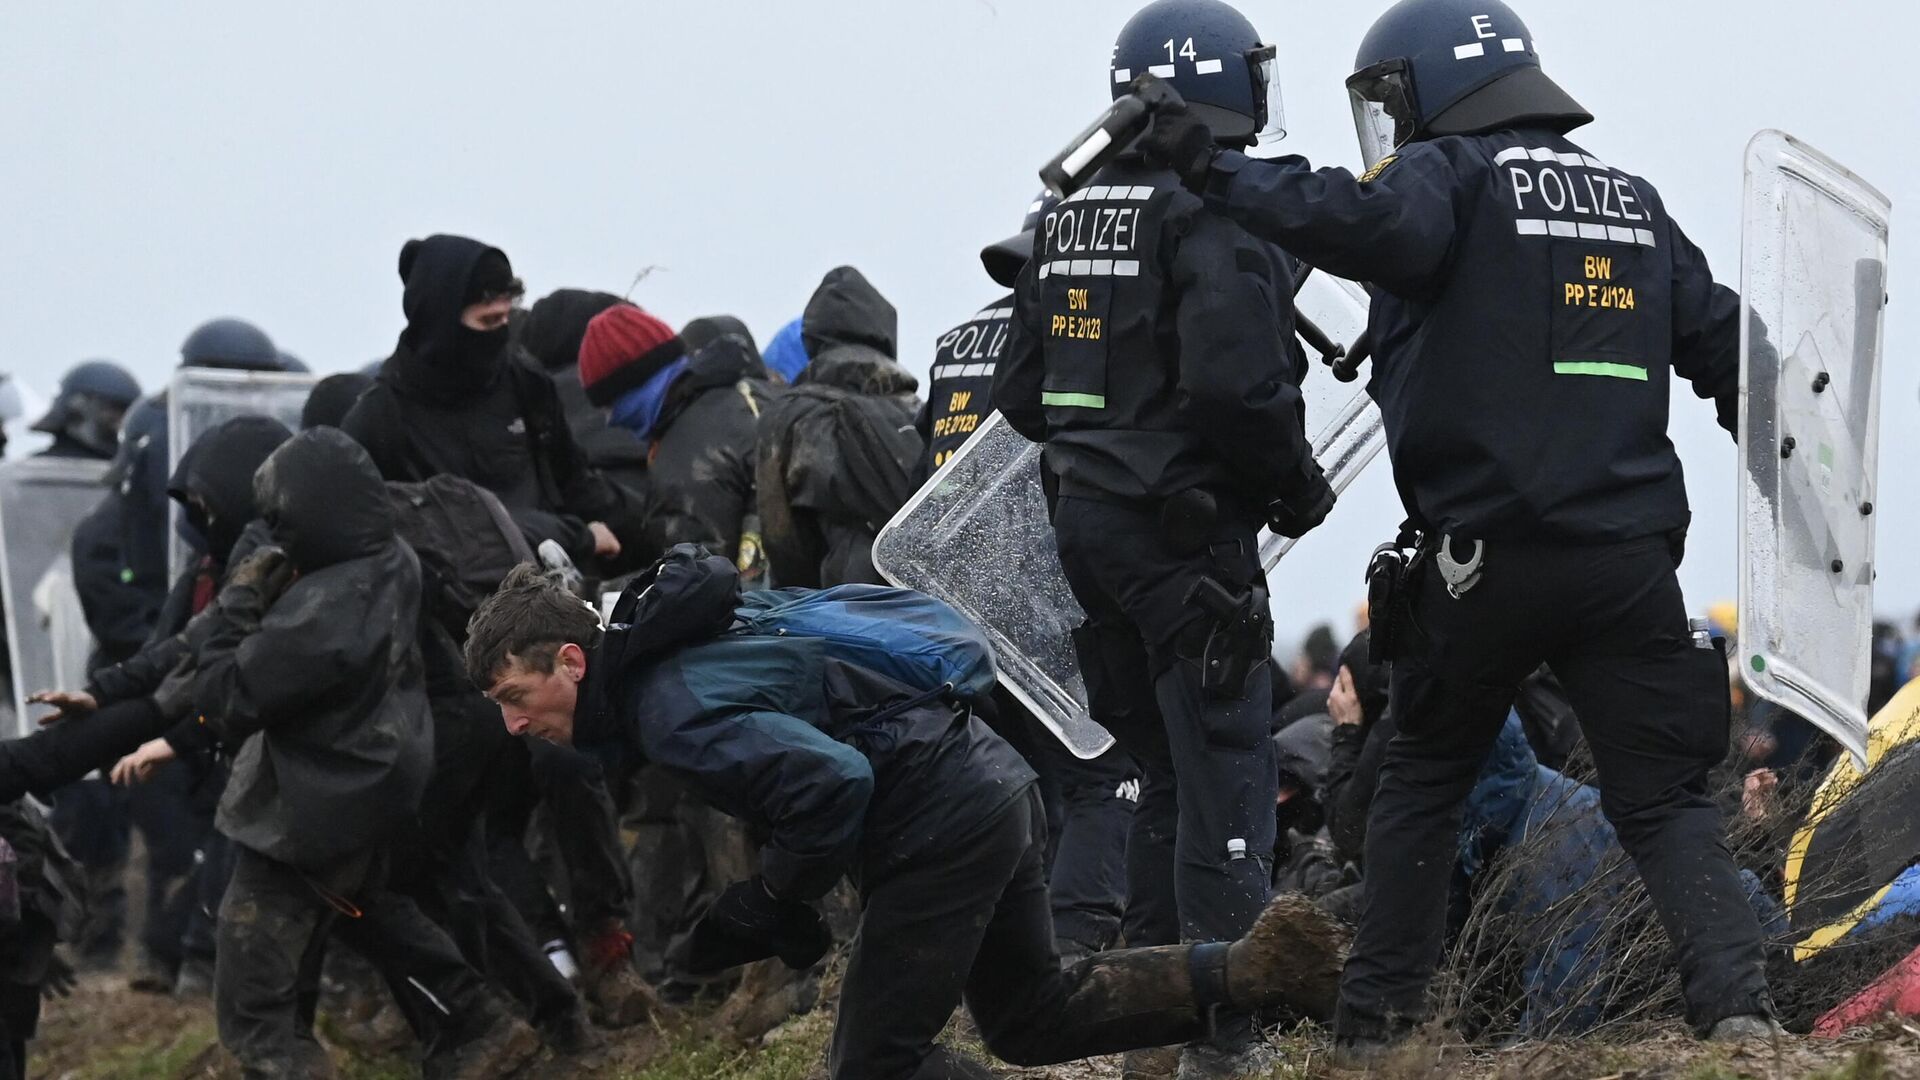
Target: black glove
{"points": [[1182, 142], [1299, 514], [748, 923], [61, 978]]}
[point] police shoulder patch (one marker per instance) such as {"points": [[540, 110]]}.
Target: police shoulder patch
{"points": [[1378, 168]]}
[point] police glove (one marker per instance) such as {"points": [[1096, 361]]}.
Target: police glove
{"points": [[1182, 142], [747, 923], [1299, 514]]}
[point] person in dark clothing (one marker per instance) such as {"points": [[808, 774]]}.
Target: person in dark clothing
{"points": [[1163, 379], [332, 398], [1524, 345], [705, 330], [89, 816], [697, 413], [455, 397], [838, 454], [1089, 804], [307, 669], [848, 772], [41, 905], [552, 333]]}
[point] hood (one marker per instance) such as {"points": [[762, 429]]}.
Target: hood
{"points": [[786, 355], [723, 361], [703, 331], [219, 468], [1500, 798], [1304, 751], [847, 310], [332, 398], [553, 329], [440, 359], [324, 500]]}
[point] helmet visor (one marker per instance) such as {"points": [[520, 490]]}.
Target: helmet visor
{"points": [[1265, 69], [1384, 114]]}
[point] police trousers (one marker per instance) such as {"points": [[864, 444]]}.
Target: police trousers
{"points": [[1208, 775], [1611, 622]]}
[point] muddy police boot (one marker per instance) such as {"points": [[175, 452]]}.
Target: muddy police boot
{"points": [[498, 1049], [617, 994], [1152, 1063], [572, 1036]]}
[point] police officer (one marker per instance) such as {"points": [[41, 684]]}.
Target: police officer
{"points": [[85, 418], [1089, 804], [1153, 353], [1531, 304]]}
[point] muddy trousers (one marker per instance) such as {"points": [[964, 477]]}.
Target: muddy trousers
{"points": [[1611, 622], [971, 921], [583, 828], [274, 927]]}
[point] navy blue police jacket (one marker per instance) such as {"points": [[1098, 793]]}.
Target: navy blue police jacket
{"points": [[1530, 305]]}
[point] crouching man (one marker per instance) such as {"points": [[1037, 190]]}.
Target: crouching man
{"points": [[932, 816]]}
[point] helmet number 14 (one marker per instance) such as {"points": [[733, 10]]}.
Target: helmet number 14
{"points": [[1186, 50]]}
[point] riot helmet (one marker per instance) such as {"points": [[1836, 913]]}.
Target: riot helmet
{"points": [[1212, 55], [1450, 67], [94, 397], [1006, 259], [230, 343]]}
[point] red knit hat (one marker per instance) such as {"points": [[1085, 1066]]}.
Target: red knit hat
{"points": [[623, 348]]}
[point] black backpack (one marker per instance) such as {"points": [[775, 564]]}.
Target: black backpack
{"points": [[875, 450], [465, 540]]}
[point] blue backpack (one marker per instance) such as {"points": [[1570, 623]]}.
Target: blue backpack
{"points": [[906, 636]]}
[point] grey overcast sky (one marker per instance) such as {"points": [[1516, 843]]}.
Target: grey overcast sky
{"points": [[168, 162]]}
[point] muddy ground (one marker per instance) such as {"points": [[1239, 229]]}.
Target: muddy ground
{"points": [[106, 1032]]}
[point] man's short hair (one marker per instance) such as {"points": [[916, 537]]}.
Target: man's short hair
{"points": [[528, 618]]}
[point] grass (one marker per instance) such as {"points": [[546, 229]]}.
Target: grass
{"points": [[794, 1052], [152, 1061]]}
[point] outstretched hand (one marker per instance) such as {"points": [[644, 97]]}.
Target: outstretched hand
{"points": [[68, 702], [138, 766]]}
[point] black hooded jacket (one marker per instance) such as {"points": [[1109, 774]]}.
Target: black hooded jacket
{"points": [[465, 403], [552, 334], [324, 706], [119, 549], [838, 452], [703, 449], [217, 471]]}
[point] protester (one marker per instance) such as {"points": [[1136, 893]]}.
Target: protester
{"points": [[552, 332], [697, 413], [838, 452], [849, 771]]}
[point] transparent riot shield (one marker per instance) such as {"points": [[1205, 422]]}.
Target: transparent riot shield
{"points": [[41, 501], [201, 399], [1813, 274], [977, 536]]}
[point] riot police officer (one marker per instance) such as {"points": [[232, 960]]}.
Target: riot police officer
{"points": [[1531, 304], [84, 419], [1089, 804], [1152, 352]]}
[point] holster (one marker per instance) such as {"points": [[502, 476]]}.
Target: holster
{"points": [[1239, 637], [1392, 582]]}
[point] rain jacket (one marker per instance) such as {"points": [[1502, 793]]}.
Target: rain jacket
{"points": [[552, 333], [821, 503], [323, 706], [774, 731], [703, 450]]}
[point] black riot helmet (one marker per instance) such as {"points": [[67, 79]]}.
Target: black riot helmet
{"points": [[1451, 67], [1212, 55], [93, 399], [1005, 260], [230, 343]]}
